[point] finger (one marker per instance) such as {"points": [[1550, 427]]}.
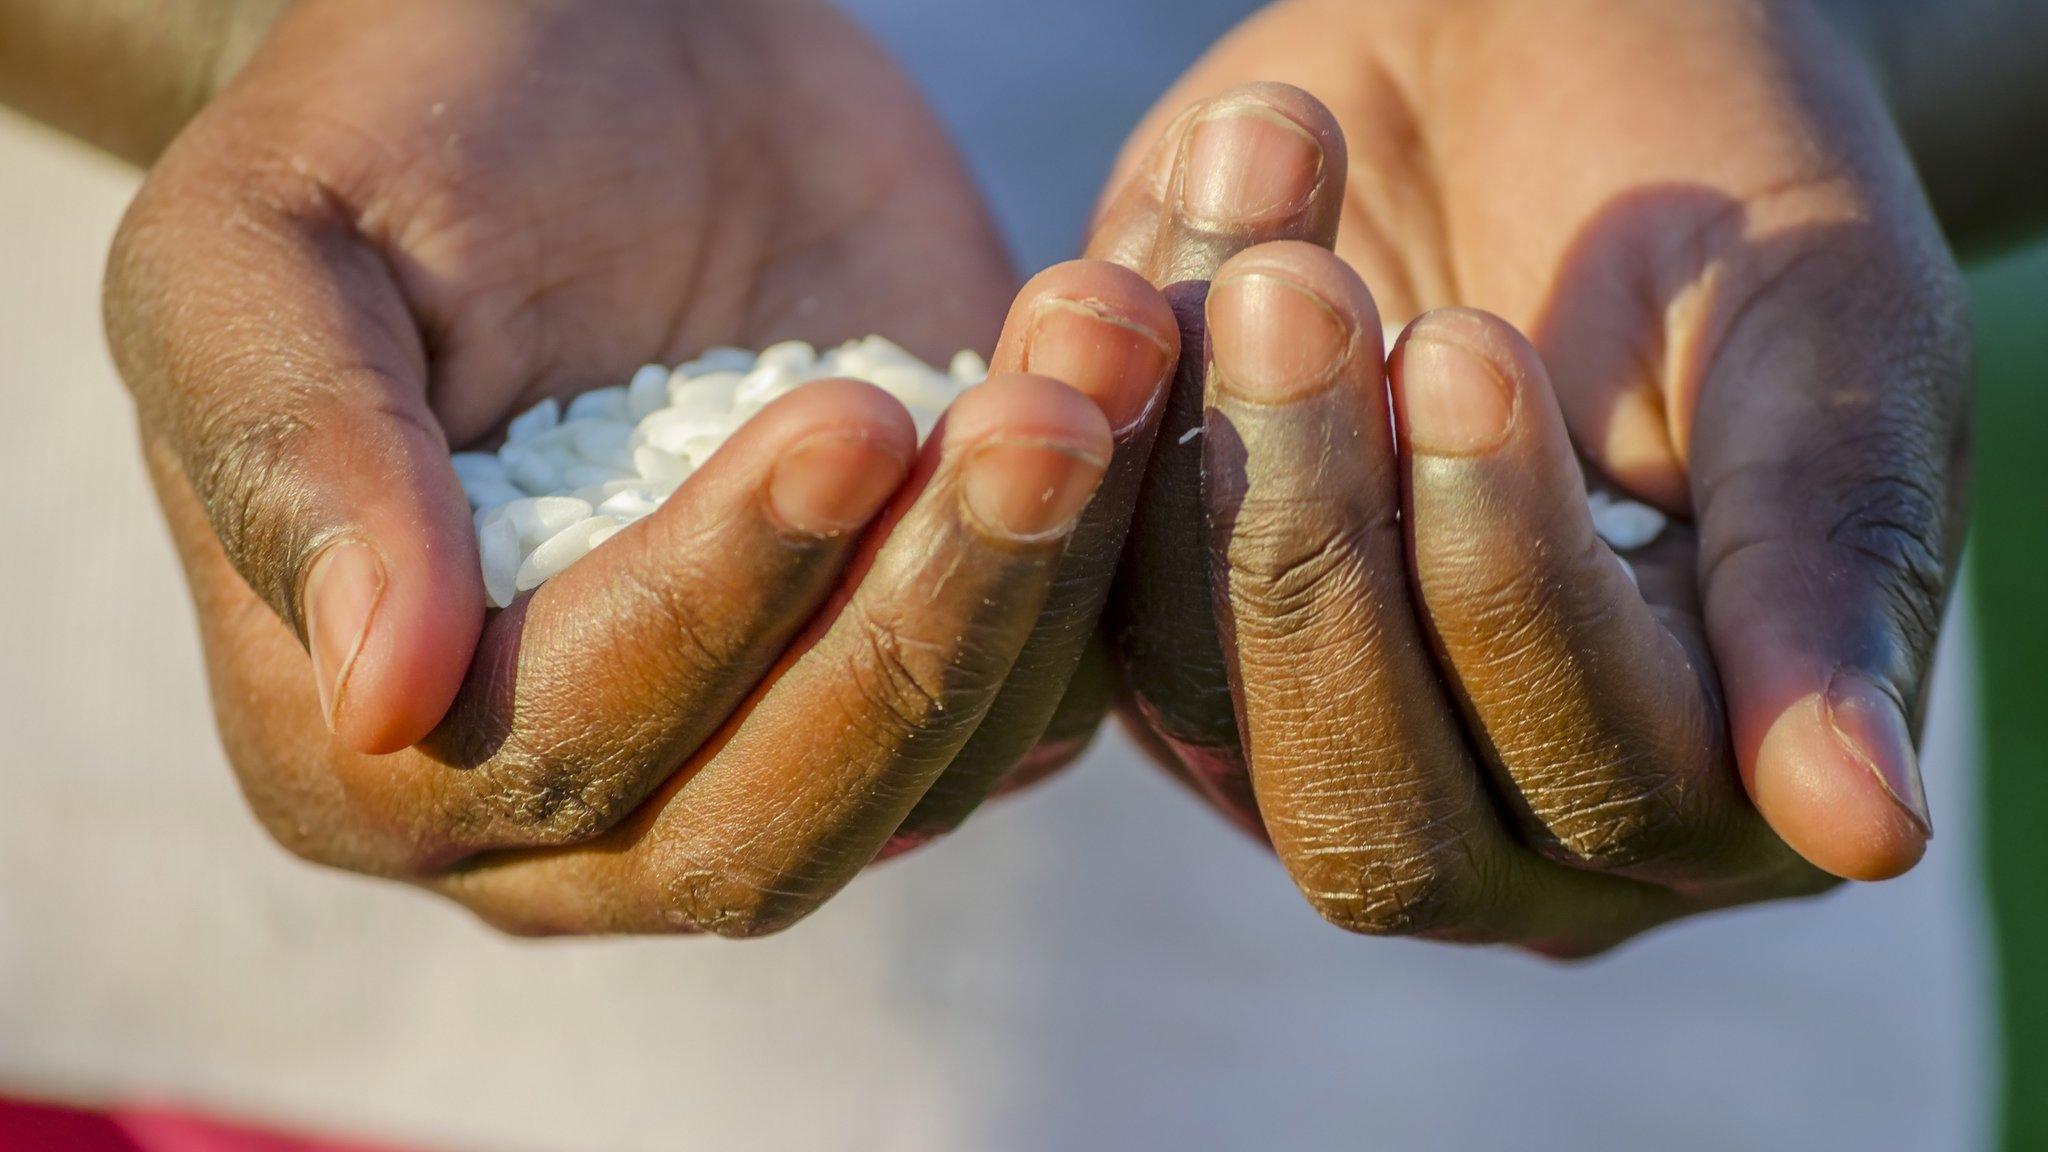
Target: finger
{"points": [[1075, 721], [1595, 711], [272, 355], [587, 694], [1358, 761], [1360, 773], [1134, 203], [1102, 330], [1073, 725], [1257, 163], [802, 790], [1828, 471]]}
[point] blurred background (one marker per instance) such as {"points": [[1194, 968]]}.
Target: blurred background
{"points": [[1099, 963]]}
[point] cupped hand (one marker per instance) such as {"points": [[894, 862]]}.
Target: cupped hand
{"points": [[1711, 283], [405, 222]]}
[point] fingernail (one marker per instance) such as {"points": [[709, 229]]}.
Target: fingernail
{"points": [[1453, 401], [1248, 164], [1272, 339], [1028, 489], [1112, 360], [1872, 731], [343, 589], [829, 483]]}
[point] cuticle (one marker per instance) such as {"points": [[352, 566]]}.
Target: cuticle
{"points": [[1096, 308], [1257, 110], [1052, 444]]}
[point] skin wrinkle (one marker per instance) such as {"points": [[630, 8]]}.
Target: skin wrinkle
{"points": [[902, 673], [1176, 679]]}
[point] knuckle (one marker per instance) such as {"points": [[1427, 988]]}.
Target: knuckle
{"points": [[303, 839], [245, 481], [1627, 813], [1372, 872], [1894, 523], [1287, 560], [1879, 527], [725, 902], [906, 679], [1408, 896], [1613, 777], [544, 797], [545, 775], [287, 793]]}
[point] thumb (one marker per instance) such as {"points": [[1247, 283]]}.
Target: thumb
{"points": [[272, 355], [1829, 476]]}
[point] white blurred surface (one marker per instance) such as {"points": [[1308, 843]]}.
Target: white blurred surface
{"points": [[1099, 964]]}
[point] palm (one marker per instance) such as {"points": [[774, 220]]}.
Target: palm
{"points": [[586, 195]]}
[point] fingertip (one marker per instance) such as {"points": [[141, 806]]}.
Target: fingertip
{"points": [[1113, 284], [847, 448], [1839, 785], [1482, 333], [1258, 154], [821, 460], [1461, 380], [1099, 328], [1287, 319], [1297, 104]]}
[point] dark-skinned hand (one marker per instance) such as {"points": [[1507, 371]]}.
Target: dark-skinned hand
{"points": [[1388, 639], [407, 220]]}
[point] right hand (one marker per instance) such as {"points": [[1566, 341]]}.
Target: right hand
{"points": [[407, 220]]}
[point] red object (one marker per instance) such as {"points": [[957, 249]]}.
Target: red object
{"points": [[26, 1127]]}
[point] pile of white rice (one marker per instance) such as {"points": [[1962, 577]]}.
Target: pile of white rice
{"points": [[568, 480]]}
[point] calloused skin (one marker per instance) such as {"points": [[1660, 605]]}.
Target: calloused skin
{"points": [[407, 220], [1711, 279]]}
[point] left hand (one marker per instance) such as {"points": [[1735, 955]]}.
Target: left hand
{"points": [[408, 220], [1461, 719]]}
